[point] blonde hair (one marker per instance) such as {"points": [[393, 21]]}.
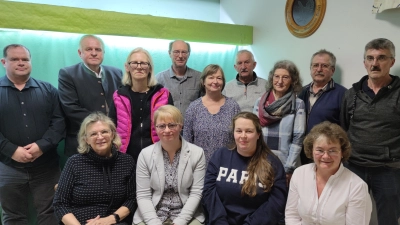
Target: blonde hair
{"points": [[93, 118], [151, 80], [168, 111]]}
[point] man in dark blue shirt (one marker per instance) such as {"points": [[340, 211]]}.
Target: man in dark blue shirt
{"points": [[323, 96], [31, 126]]}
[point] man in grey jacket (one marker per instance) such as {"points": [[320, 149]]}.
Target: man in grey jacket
{"points": [[370, 114], [86, 87]]}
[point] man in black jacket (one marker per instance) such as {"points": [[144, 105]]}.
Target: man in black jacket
{"points": [[86, 87], [371, 116]]}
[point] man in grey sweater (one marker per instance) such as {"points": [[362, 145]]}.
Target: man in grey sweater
{"points": [[247, 87]]}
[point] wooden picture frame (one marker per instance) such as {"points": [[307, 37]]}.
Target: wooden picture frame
{"points": [[302, 21]]}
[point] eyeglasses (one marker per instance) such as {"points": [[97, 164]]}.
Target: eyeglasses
{"points": [[171, 126], [143, 65], [284, 78], [177, 53], [103, 133], [317, 65], [379, 58], [329, 152]]}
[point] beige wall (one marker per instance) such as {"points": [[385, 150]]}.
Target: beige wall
{"points": [[346, 28]]}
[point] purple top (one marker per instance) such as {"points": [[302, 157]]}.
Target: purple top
{"points": [[209, 131]]}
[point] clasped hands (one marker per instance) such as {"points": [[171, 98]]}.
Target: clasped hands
{"points": [[28, 153]]}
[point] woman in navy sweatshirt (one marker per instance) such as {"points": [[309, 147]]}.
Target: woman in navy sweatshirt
{"points": [[245, 184]]}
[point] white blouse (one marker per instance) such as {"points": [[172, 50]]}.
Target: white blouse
{"points": [[344, 200]]}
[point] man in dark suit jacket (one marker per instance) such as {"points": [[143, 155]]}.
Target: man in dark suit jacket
{"points": [[86, 87]]}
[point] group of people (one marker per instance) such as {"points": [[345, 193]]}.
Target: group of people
{"points": [[187, 147]]}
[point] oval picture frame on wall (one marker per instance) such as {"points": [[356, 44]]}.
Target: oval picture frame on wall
{"points": [[303, 17]]}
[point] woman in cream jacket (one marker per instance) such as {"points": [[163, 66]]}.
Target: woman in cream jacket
{"points": [[169, 175]]}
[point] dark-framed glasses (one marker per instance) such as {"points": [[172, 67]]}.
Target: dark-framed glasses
{"points": [[177, 53], [143, 65], [379, 58], [171, 126], [103, 133], [332, 152]]}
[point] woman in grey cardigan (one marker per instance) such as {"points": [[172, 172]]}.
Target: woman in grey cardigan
{"points": [[169, 175]]}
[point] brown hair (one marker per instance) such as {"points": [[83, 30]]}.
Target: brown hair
{"points": [[259, 168], [208, 71], [332, 132]]}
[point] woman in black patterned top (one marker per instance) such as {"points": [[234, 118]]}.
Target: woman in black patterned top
{"points": [[97, 186]]}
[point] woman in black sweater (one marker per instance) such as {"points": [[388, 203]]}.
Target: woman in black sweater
{"points": [[97, 185]]}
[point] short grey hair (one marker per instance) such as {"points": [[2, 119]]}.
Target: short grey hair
{"points": [[332, 58], [172, 42], [83, 147], [244, 51], [91, 36], [380, 43]]}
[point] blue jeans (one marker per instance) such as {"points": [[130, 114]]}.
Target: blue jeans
{"points": [[384, 182], [15, 186]]}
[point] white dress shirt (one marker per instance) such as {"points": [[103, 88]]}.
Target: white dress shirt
{"points": [[344, 200]]}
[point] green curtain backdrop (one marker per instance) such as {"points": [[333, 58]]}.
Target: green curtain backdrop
{"points": [[53, 50]]}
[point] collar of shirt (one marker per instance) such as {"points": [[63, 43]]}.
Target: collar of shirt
{"points": [[98, 75], [5, 82], [173, 75], [367, 89], [240, 82], [176, 157], [320, 91]]}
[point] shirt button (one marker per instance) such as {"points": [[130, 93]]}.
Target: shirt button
{"points": [[99, 82], [102, 93], [26, 125], [102, 106], [24, 114], [22, 103]]}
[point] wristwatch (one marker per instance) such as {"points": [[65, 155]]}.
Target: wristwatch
{"points": [[117, 219]]}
